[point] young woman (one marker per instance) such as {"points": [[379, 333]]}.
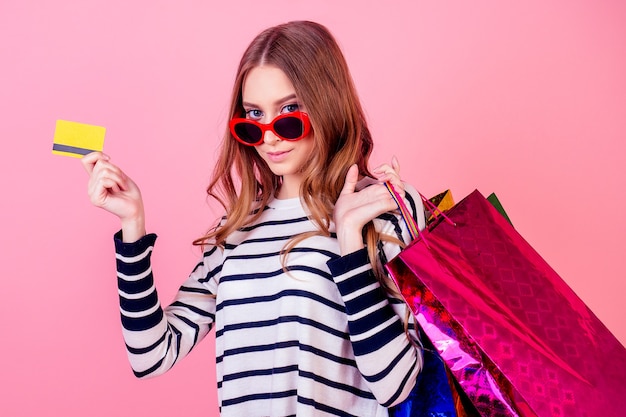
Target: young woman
{"points": [[306, 321]]}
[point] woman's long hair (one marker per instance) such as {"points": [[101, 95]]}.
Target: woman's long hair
{"points": [[242, 182]]}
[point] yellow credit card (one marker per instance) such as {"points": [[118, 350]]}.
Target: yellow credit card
{"points": [[77, 139]]}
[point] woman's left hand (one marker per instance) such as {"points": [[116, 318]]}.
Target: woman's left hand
{"points": [[354, 209]]}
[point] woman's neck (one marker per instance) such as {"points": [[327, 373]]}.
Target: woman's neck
{"points": [[290, 188]]}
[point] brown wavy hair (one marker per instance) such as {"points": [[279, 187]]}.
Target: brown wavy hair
{"points": [[312, 60]]}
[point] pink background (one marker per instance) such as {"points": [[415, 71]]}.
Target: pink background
{"points": [[527, 99]]}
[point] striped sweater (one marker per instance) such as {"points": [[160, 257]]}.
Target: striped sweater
{"points": [[322, 339]]}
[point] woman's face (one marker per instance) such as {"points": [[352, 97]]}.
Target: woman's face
{"points": [[267, 93]]}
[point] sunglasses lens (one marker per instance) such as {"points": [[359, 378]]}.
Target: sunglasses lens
{"points": [[289, 127], [248, 132]]}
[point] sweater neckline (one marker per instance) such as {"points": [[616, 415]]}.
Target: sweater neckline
{"points": [[295, 202], [287, 203]]}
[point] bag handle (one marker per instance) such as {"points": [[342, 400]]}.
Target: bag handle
{"points": [[406, 214], [404, 211]]}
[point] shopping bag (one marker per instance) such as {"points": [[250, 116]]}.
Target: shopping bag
{"points": [[442, 201], [517, 340], [495, 201], [433, 394]]}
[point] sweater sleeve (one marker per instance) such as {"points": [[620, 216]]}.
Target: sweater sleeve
{"points": [[386, 356], [157, 338]]}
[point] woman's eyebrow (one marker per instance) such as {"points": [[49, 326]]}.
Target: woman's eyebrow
{"points": [[287, 98], [276, 103]]}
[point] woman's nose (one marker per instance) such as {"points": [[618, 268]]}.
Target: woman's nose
{"points": [[270, 138]]}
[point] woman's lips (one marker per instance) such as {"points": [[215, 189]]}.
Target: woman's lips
{"points": [[277, 156]]}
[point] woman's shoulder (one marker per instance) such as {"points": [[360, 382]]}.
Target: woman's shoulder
{"points": [[393, 223], [412, 199]]}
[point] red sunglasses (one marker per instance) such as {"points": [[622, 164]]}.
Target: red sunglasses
{"points": [[289, 126]]}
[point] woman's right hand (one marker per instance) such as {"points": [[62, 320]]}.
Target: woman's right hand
{"points": [[112, 190]]}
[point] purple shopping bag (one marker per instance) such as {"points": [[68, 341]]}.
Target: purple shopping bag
{"points": [[516, 338]]}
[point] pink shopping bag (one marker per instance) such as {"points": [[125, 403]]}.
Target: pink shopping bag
{"points": [[516, 338]]}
